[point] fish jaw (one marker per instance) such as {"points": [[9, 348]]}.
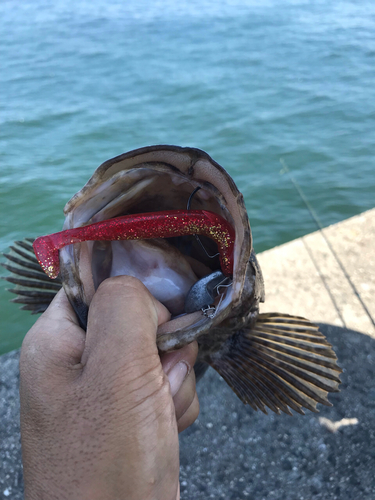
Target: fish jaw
{"points": [[154, 179], [243, 313]]}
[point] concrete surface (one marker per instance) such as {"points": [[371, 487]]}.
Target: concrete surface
{"points": [[303, 276], [235, 453], [11, 485]]}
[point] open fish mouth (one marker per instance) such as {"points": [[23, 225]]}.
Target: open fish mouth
{"points": [[153, 180]]}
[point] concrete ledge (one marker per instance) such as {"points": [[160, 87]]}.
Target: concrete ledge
{"points": [[304, 278]]}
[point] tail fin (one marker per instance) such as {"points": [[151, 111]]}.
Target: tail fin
{"points": [[283, 362], [34, 289]]}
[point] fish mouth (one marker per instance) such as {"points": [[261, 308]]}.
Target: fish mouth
{"points": [[152, 180]]}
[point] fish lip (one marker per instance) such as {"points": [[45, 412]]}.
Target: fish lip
{"points": [[197, 167], [194, 154]]}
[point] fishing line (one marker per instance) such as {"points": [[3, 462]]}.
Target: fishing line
{"points": [[220, 285], [191, 197], [196, 236], [319, 225]]}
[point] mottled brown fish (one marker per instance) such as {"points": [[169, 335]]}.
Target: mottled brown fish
{"points": [[270, 360]]}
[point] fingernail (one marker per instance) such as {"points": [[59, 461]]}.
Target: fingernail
{"points": [[177, 375]]}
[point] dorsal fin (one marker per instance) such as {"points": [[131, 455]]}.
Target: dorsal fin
{"points": [[33, 288]]}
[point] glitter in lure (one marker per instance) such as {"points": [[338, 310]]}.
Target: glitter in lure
{"points": [[165, 224]]}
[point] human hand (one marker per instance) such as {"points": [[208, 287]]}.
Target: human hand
{"points": [[101, 411]]}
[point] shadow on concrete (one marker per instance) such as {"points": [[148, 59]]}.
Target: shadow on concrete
{"points": [[233, 452]]}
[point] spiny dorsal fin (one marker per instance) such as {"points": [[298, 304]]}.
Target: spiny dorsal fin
{"points": [[34, 289], [283, 362]]}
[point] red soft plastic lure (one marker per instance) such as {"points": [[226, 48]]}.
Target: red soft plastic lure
{"points": [[141, 227]]}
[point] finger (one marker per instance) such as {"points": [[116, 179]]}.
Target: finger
{"points": [[56, 340], [189, 416], [178, 364], [122, 323], [185, 396]]}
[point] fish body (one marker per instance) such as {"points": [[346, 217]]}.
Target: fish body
{"points": [[270, 360]]}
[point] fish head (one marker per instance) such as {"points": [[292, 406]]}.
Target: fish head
{"points": [[151, 180], [272, 360]]}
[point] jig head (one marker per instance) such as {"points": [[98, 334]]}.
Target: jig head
{"points": [[202, 294]]}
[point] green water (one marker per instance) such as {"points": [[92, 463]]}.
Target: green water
{"points": [[249, 82]]}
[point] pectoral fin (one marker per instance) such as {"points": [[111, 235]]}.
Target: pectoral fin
{"points": [[283, 362], [34, 289]]}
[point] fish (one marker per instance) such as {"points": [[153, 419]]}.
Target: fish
{"points": [[206, 273]]}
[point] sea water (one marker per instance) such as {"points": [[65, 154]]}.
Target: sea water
{"points": [[253, 83]]}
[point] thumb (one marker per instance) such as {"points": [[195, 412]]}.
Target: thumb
{"points": [[122, 324]]}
